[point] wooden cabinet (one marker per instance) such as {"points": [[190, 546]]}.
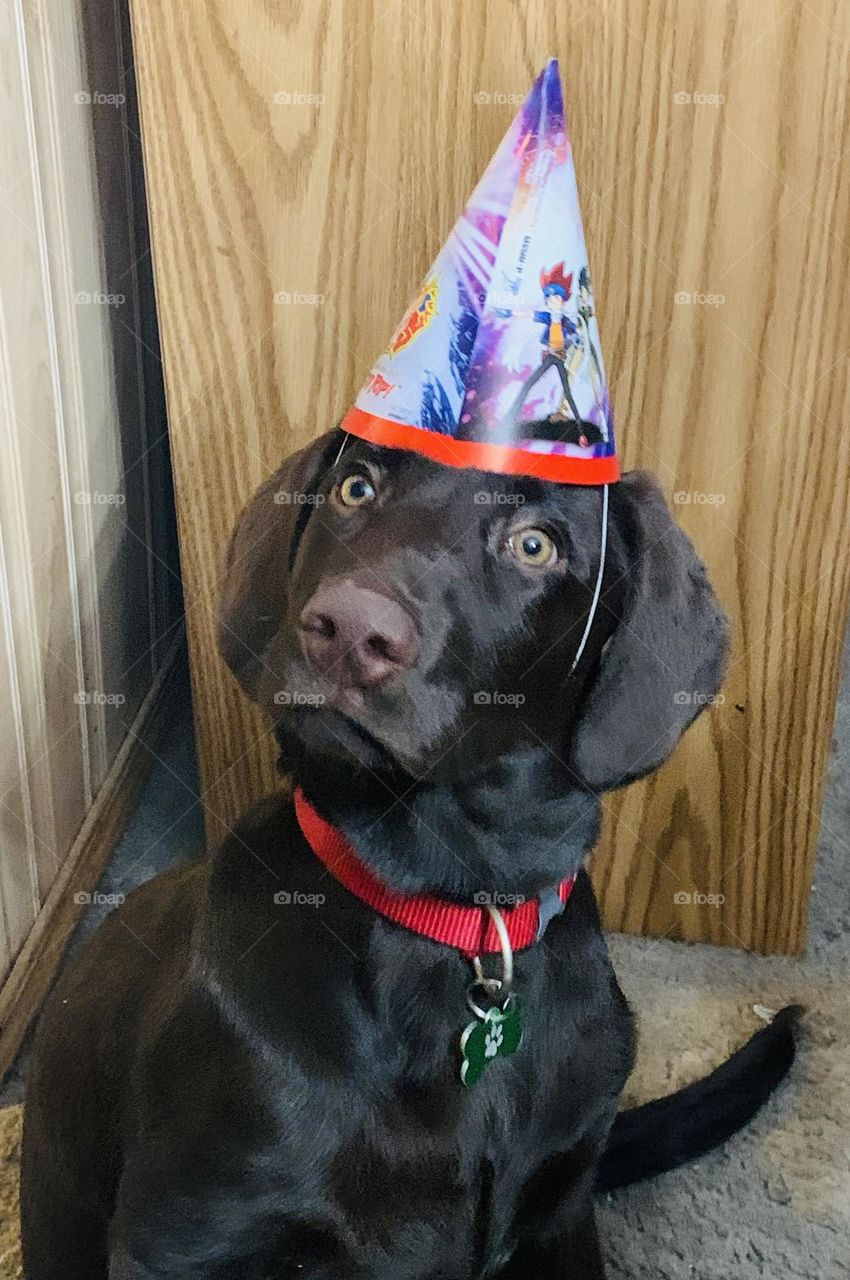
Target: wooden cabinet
{"points": [[324, 152]]}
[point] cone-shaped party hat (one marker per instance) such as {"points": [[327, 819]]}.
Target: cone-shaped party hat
{"points": [[497, 362]]}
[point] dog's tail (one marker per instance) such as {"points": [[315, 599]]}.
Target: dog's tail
{"points": [[664, 1134]]}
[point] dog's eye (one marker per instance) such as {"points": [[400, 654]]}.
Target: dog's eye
{"points": [[356, 491], [533, 547]]}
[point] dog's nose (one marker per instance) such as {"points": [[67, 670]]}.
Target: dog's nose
{"points": [[357, 637]]}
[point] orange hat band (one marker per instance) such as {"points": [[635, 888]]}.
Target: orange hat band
{"points": [[505, 459]]}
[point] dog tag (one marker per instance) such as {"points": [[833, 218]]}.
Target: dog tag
{"points": [[496, 1034]]}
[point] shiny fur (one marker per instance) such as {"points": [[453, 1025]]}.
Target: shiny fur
{"points": [[229, 1088]]}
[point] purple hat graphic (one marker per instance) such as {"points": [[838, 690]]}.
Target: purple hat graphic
{"points": [[497, 362]]}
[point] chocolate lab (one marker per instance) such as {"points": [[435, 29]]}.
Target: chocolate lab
{"points": [[253, 1072]]}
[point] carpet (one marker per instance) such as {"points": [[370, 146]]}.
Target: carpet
{"points": [[10, 1155]]}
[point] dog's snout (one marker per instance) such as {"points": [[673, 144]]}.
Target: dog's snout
{"points": [[357, 637]]}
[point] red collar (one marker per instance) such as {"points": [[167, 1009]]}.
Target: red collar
{"points": [[470, 929]]}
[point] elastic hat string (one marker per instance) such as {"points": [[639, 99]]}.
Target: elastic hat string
{"points": [[597, 590]]}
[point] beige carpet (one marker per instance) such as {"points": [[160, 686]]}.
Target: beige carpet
{"points": [[775, 1201], [10, 1154]]}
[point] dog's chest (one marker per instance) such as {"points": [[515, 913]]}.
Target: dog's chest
{"points": [[434, 1178], [405, 1173], [425, 1177]]}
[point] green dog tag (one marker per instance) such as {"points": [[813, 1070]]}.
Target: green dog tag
{"points": [[497, 1035]]}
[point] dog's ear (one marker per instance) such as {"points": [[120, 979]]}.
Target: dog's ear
{"points": [[260, 556], [666, 658]]}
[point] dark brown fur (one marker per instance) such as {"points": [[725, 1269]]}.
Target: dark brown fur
{"points": [[229, 1088]]}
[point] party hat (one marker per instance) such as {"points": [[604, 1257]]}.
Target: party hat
{"points": [[497, 361]]}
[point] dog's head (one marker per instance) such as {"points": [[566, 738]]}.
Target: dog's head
{"points": [[423, 620]]}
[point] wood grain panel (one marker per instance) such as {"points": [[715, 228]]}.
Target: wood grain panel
{"points": [[84, 628], [44, 944], [19, 900], [39, 590], [300, 150], [80, 140]]}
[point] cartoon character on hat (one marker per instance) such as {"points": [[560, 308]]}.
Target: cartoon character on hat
{"points": [[565, 346], [586, 313], [497, 362]]}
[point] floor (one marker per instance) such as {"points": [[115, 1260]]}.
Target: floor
{"points": [[775, 1202]]}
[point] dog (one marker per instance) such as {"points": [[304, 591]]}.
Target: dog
{"points": [[251, 1073]]}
